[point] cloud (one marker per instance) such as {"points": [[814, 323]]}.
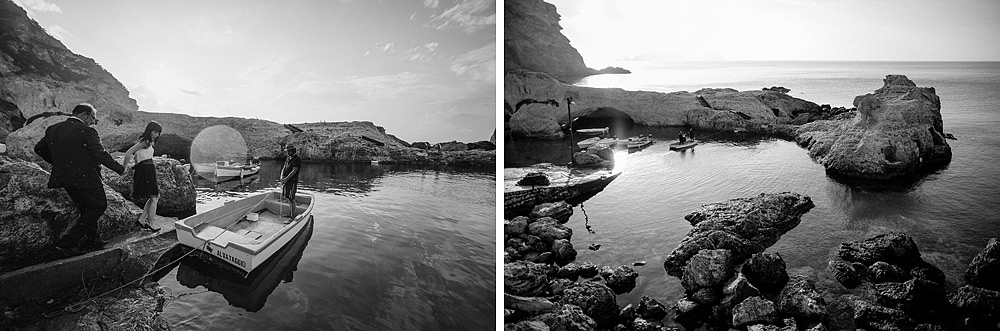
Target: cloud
{"points": [[212, 36], [387, 48], [431, 3], [478, 65], [31, 6], [421, 54], [384, 86], [191, 91], [58, 32], [469, 15]]}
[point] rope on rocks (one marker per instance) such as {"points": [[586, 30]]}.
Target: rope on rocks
{"points": [[76, 307]]}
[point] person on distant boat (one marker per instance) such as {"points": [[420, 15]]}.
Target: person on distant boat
{"points": [[290, 179], [680, 137], [144, 184], [74, 149], [689, 134]]}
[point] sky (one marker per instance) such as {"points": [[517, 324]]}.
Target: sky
{"points": [[424, 70], [608, 32]]}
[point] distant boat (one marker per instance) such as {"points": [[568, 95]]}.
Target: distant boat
{"points": [[639, 142], [611, 142], [226, 169], [246, 232], [683, 145], [594, 131]]}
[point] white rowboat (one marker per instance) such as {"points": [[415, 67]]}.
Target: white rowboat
{"points": [[231, 234]]}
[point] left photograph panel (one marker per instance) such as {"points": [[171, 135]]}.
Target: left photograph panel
{"points": [[232, 165]]}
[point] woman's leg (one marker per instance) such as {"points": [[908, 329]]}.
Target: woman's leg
{"points": [[153, 200]]}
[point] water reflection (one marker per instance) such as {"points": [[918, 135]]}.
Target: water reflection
{"points": [[249, 293]]}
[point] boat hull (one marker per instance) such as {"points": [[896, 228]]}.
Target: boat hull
{"points": [[209, 231], [684, 145]]}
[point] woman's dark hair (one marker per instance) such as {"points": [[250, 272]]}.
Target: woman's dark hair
{"points": [[147, 136]]}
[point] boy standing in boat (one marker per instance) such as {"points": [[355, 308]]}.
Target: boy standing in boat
{"points": [[290, 178]]}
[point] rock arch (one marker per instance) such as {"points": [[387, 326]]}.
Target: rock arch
{"points": [[600, 117]]}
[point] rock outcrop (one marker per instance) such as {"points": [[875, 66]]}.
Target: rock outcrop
{"points": [[532, 40], [177, 193], [978, 302], [33, 216], [743, 226], [897, 132], [721, 109]]}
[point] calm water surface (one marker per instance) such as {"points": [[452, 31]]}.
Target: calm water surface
{"points": [[640, 216], [391, 248]]}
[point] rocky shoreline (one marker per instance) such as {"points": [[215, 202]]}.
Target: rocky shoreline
{"points": [[731, 283]]}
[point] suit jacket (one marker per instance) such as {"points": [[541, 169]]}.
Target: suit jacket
{"points": [[76, 154]]}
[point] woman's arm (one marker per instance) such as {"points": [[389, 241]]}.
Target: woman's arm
{"points": [[130, 153]]}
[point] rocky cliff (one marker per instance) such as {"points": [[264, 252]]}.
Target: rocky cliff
{"points": [[532, 41], [897, 131], [38, 74]]}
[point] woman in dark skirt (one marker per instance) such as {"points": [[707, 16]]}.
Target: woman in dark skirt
{"points": [[144, 184]]}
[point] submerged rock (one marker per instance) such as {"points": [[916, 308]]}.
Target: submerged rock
{"points": [[744, 226], [897, 131], [894, 247]]}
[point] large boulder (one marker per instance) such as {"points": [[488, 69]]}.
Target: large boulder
{"points": [[844, 273], [709, 268], [976, 301], [596, 299], [549, 229], [894, 248], [766, 271], [754, 310], [33, 216], [526, 278], [567, 318], [897, 131], [744, 226], [984, 271], [621, 279], [651, 309], [558, 210], [177, 193], [800, 299]]}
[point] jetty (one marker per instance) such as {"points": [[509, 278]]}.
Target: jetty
{"points": [[564, 184]]}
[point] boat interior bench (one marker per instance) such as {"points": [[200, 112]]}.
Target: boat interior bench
{"points": [[269, 221]]}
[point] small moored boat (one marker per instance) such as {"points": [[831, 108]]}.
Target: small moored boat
{"points": [[683, 145], [611, 142], [639, 142], [245, 232], [594, 131]]}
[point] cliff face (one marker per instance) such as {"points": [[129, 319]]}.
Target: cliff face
{"points": [[38, 74], [532, 41]]}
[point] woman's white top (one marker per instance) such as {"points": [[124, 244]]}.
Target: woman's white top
{"points": [[144, 154]]}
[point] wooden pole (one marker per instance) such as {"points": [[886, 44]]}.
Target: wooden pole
{"points": [[569, 119]]}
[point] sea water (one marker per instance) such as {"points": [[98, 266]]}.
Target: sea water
{"points": [[639, 217], [391, 248]]}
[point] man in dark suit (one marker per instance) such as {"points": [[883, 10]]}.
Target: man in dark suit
{"points": [[74, 149]]}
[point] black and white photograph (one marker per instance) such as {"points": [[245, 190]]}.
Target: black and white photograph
{"points": [[248, 165], [751, 165]]}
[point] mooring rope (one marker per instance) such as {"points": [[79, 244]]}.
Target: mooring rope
{"points": [[76, 307]]}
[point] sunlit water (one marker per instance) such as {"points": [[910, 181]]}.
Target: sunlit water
{"points": [[392, 248], [951, 213]]}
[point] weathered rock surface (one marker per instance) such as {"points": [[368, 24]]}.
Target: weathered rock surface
{"points": [[800, 299], [532, 41], [526, 326], [722, 109], [873, 317], [754, 310], [177, 194], [567, 318], [894, 247], [33, 216], [976, 301], [766, 272], [559, 210], [708, 268], [651, 309], [597, 301], [621, 279], [844, 273], [914, 296], [984, 271], [744, 226], [524, 278], [549, 229], [897, 131], [880, 272]]}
